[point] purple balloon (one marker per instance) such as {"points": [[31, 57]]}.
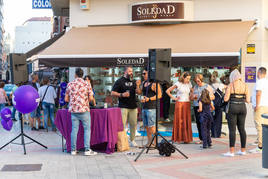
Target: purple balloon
{"points": [[7, 124], [26, 99], [6, 114]]}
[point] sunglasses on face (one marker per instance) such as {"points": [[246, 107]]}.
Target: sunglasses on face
{"points": [[143, 73]]}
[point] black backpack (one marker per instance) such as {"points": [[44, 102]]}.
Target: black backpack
{"points": [[219, 98]]}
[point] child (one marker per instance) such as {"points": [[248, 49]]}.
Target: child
{"points": [[205, 106]]}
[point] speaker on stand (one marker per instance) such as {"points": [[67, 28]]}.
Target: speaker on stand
{"points": [[160, 70]]}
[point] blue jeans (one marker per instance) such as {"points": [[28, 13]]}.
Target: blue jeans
{"points": [[48, 112], [86, 121], [36, 113], [148, 117], [13, 115]]}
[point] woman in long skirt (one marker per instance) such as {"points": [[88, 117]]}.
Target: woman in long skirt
{"points": [[182, 127]]}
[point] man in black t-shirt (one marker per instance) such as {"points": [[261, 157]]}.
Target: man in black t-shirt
{"points": [[125, 89]]}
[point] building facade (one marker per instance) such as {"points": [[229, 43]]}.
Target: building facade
{"points": [[1, 39], [253, 51], [32, 33]]}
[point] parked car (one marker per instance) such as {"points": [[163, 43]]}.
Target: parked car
{"points": [[8, 89]]}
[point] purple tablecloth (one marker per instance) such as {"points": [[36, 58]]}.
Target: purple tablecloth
{"points": [[105, 124]]}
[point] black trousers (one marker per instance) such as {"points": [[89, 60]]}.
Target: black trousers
{"points": [[166, 106], [236, 117], [217, 123], [197, 119], [205, 130]]}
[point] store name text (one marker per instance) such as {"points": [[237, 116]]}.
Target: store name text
{"points": [[155, 11], [130, 61]]}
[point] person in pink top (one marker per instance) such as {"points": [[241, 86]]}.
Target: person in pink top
{"points": [[3, 96], [79, 93]]}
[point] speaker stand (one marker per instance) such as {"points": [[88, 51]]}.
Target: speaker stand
{"points": [[155, 136], [22, 135]]}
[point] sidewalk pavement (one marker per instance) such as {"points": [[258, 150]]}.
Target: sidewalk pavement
{"points": [[56, 164]]}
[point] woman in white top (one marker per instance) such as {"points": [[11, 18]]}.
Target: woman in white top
{"points": [[47, 94], [182, 126]]}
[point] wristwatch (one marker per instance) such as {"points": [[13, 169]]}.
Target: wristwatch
{"points": [[121, 95]]}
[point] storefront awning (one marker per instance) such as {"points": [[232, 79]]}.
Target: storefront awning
{"points": [[41, 47], [192, 44]]}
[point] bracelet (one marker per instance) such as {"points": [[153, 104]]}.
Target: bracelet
{"points": [[149, 99]]}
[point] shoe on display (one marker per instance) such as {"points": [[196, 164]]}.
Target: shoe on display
{"points": [[90, 153], [228, 154], [73, 152], [240, 153], [133, 144], [256, 150]]}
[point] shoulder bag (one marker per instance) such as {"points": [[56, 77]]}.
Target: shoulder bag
{"points": [[40, 104]]}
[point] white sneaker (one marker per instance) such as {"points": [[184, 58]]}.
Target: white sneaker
{"points": [[133, 144], [228, 154], [90, 152], [73, 152], [167, 120], [137, 133], [240, 153], [256, 150]]}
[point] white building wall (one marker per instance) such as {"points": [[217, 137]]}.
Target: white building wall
{"points": [[108, 12], [30, 35]]}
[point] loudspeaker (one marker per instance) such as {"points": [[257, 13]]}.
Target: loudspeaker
{"points": [[159, 64]]}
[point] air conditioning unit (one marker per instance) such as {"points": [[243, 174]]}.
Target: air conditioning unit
{"points": [[84, 4]]}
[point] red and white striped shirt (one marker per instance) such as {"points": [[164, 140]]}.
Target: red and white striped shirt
{"points": [[79, 91]]}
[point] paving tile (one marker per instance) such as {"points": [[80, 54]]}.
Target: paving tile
{"points": [[57, 164]]}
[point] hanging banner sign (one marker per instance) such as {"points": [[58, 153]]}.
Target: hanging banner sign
{"points": [[41, 4], [250, 74]]}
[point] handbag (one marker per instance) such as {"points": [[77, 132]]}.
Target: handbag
{"points": [[40, 104]]}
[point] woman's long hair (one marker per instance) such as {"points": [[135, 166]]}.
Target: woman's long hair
{"points": [[235, 75], [205, 98], [183, 76], [90, 79]]}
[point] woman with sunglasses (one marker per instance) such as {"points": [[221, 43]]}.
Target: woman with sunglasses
{"points": [[148, 91], [182, 126], [197, 91]]}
